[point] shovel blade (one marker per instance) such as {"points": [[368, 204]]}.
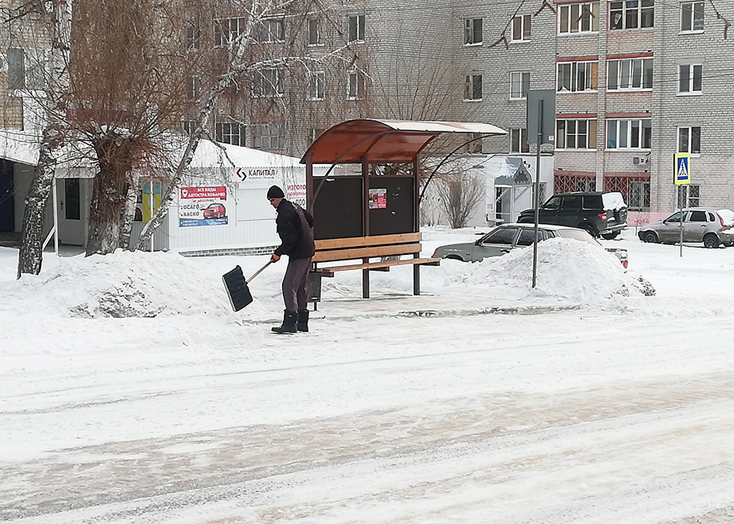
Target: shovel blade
{"points": [[237, 290]]}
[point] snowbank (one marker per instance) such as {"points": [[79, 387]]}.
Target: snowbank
{"points": [[119, 285], [145, 285], [567, 269]]}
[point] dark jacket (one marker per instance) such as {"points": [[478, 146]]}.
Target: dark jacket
{"points": [[294, 229]]}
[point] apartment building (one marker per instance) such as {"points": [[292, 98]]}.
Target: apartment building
{"points": [[636, 82]]}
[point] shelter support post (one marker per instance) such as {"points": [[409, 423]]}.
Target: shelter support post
{"points": [[416, 279], [366, 281]]}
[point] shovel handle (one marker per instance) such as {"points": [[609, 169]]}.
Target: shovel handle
{"points": [[259, 271]]}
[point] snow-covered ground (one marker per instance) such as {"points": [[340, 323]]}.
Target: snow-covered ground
{"points": [[131, 393]]}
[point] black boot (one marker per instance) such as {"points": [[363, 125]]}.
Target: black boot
{"points": [[302, 320], [289, 323]]}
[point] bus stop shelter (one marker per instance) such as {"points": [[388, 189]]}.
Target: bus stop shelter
{"points": [[373, 202]]}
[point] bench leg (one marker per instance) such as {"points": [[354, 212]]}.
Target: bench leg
{"points": [[365, 283], [416, 279]]}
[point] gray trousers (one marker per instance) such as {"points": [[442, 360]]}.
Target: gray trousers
{"points": [[295, 284]]}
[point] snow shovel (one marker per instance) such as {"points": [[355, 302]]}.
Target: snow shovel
{"points": [[236, 286]]}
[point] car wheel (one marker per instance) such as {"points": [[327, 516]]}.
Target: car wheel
{"points": [[610, 236], [455, 257], [650, 237], [711, 241]]}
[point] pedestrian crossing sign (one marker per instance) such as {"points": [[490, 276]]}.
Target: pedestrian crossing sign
{"points": [[682, 169]]}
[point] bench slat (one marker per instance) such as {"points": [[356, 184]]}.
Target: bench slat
{"points": [[379, 265], [377, 240], [366, 252]]}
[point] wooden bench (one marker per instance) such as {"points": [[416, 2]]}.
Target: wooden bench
{"points": [[361, 252]]}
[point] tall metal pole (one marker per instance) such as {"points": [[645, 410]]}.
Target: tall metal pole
{"points": [[680, 217], [536, 197]]}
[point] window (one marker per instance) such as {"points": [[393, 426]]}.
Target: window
{"points": [[189, 126], [521, 28], [691, 16], [314, 32], [629, 134], [316, 85], [473, 31], [269, 31], [519, 85], [193, 88], [631, 14], [227, 30], [575, 134], [585, 184], [268, 83], [72, 198], [355, 88], [26, 68], [313, 134], [230, 133], [689, 140], [501, 236], [571, 202], [193, 34], [694, 199], [473, 87], [638, 195], [474, 144], [688, 196], [697, 216], [519, 141], [578, 18], [356, 28], [269, 136], [577, 76], [632, 74], [690, 78]]}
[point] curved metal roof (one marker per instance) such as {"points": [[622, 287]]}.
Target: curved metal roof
{"points": [[384, 140]]}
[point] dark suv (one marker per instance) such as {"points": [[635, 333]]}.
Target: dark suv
{"points": [[599, 213]]}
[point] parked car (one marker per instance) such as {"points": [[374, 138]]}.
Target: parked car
{"points": [[709, 225], [599, 213], [502, 239], [215, 210]]}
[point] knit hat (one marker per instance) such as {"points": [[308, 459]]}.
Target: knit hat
{"points": [[275, 192]]}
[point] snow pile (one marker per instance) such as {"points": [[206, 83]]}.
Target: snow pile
{"points": [[567, 269], [119, 285]]}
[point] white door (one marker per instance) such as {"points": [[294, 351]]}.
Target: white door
{"points": [[73, 210]]}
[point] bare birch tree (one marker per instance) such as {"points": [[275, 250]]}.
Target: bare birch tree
{"points": [[245, 66], [52, 19]]}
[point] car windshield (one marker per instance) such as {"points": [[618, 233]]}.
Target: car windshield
{"points": [[675, 217]]}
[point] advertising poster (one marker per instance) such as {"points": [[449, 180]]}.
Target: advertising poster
{"points": [[143, 202], [202, 206], [378, 198], [296, 193]]}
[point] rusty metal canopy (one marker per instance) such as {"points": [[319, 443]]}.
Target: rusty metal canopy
{"points": [[383, 140]]}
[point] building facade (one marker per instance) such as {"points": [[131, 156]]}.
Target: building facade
{"points": [[636, 82]]}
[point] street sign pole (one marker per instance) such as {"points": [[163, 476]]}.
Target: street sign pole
{"points": [[541, 121], [681, 177], [536, 199]]}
